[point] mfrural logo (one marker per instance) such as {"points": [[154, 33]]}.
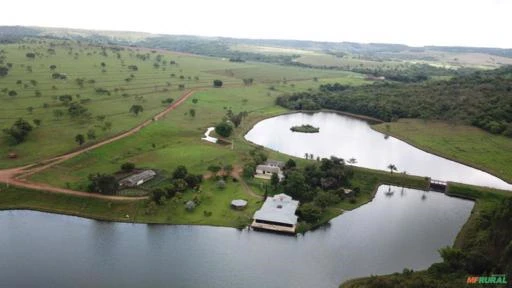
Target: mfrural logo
{"points": [[493, 279]]}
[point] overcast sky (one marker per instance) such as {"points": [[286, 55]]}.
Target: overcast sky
{"points": [[413, 22]]}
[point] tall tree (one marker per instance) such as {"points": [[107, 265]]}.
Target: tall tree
{"points": [[80, 139], [136, 109]]}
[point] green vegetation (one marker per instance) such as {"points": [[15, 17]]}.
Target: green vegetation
{"points": [[466, 144], [482, 99], [481, 248], [305, 128]]}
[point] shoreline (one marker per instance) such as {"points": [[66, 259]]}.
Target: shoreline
{"points": [[377, 121], [428, 150]]}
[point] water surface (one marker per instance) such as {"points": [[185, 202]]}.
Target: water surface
{"points": [[384, 236], [347, 137]]}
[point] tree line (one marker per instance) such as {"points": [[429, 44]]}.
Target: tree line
{"points": [[482, 99]]}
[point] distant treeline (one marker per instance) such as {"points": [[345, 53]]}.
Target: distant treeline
{"points": [[211, 47], [482, 99]]}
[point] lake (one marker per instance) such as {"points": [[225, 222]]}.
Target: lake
{"points": [[402, 229], [347, 137]]}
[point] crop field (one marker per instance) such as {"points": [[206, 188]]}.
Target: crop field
{"points": [[106, 82]]}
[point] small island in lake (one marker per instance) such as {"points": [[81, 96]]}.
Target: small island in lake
{"points": [[305, 129]]}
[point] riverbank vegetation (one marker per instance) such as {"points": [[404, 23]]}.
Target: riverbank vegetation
{"points": [[305, 129], [482, 247]]}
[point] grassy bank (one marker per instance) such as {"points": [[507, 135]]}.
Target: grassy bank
{"points": [[465, 144], [214, 208], [481, 246]]}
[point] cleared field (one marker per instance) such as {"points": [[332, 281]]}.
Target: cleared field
{"points": [[270, 50], [348, 62], [465, 144], [262, 72]]}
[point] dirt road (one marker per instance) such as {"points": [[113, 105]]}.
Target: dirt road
{"points": [[15, 176]]}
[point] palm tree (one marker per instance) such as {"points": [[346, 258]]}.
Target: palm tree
{"points": [[352, 161], [392, 168]]}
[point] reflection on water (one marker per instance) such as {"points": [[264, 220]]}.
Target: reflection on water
{"points": [[383, 236], [347, 137]]}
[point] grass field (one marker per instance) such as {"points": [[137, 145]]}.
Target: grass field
{"points": [[465, 144], [156, 79]]}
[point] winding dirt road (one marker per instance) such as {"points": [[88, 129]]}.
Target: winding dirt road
{"points": [[16, 176]]}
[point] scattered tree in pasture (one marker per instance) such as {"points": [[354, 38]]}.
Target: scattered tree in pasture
{"points": [[217, 83], [167, 101], [18, 131], [53, 67], [76, 110], [30, 55], [80, 139], [128, 167], [181, 86], [107, 125], [136, 109], [248, 81], [57, 113], [33, 82], [195, 100], [103, 183], [13, 93], [224, 129], [192, 113], [91, 134], [4, 71], [37, 122], [352, 161], [30, 109]]}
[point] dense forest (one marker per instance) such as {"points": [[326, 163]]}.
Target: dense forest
{"points": [[482, 99]]}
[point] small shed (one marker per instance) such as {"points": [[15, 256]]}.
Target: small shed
{"points": [[138, 179], [12, 155], [238, 204]]}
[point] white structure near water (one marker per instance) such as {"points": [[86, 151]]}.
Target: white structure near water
{"points": [[265, 171], [207, 136], [277, 214]]}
